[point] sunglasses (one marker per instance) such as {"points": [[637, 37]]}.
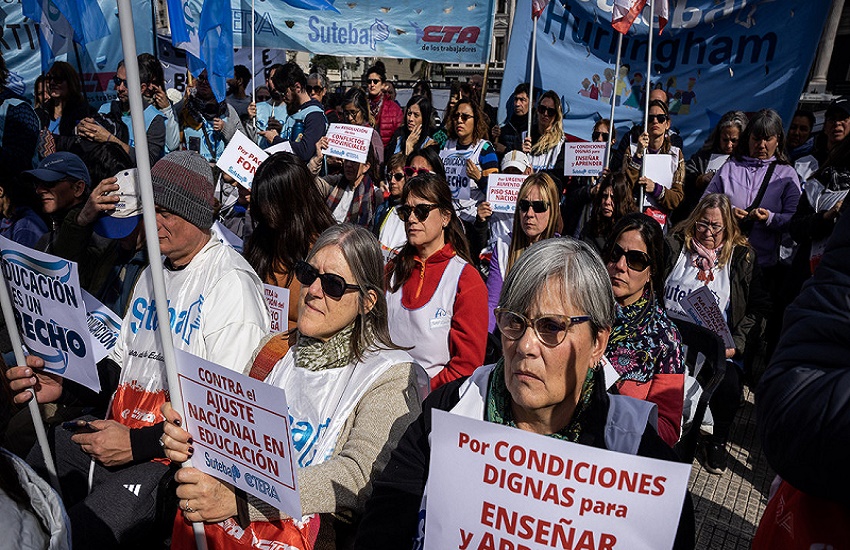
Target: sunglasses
{"points": [[660, 118], [596, 135], [119, 81], [374, 80], [332, 284], [463, 117], [421, 211], [538, 206], [397, 176], [314, 89], [548, 111], [410, 171], [550, 329], [350, 113], [635, 259]]}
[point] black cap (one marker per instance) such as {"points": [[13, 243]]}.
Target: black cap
{"points": [[838, 109]]}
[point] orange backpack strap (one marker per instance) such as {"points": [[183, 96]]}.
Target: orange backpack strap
{"points": [[272, 352]]}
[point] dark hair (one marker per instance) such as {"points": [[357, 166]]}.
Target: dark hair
{"points": [[288, 76], [273, 68], [434, 189], [360, 99], [378, 69], [624, 203], [611, 129], [423, 88], [150, 70], [21, 192], [807, 114], [75, 87], [288, 215], [242, 73], [426, 111], [653, 238], [521, 89], [763, 124], [431, 154], [104, 160], [4, 72], [480, 131]]}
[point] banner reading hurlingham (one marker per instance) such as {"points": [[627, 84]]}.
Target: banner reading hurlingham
{"points": [[50, 311], [711, 58]]}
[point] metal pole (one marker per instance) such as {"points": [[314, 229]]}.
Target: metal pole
{"points": [[153, 24], [80, 68], [531, 82], [254, 63], [648, 90], [131, 64], [608, 150]]}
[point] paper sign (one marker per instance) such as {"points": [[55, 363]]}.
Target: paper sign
{"points": [[715, 162], [491, 486], [104, 326], [584, 159], [241, 158], [503, 191], [283, 146], [277, 299], [225, 236], [349, 142], [50, 312], [238, 439], [702, 306], [660, 169], [455, 165]]}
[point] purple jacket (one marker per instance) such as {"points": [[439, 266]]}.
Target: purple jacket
{"points": [[740, 179]]}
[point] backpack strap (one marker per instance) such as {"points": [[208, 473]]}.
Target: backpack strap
{"points": [[763, 188], [274, 350]]}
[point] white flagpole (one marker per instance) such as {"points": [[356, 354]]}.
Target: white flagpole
{"points": [[131, 64], [531, 82], [253, 62], [648, 89], [608, 150]]}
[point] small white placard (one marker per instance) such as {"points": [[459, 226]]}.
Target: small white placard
{"points": [[584, 158], [503, 190], [491, 486], [237, 438], [104, 326], [277, 299], [283, 146], [715, 162], [703, 309], [349, 142], [226, 237], [241, 158], [455, 165], [660, 169]]}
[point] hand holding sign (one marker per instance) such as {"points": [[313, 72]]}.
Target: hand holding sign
{"points": [[32, 376], [349, 142], [241, 158]]}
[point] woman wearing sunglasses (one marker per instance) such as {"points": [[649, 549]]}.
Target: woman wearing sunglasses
{"points": [[708, 249], [536, 218], [385, 111], [346, 383], [612, 200], [659, 201], [437, 300], [355, 110], [388, 226], [417, 129], [545, 146], [645, 346], [555, 315]]}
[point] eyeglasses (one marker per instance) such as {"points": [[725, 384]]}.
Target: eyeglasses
{"points": [[710, 228], [463, 117], [350, 113], [410, 171], [596, 135], [119, 81], [314, 89], [397, 176], [550, 329], [374, 80], [547, 111], [635, 259], [538, 206], [660, 118], [332, 284], [421, 211]]}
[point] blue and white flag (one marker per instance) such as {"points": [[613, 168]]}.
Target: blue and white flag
{"points": [[204, 30], [55, 33]]}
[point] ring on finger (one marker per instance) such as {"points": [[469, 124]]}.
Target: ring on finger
{"points": [[188, 508]]}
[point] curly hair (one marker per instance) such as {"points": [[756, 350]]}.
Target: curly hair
{"points": [[479, 131]]}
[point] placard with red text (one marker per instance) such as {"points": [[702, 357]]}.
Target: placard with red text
{"points": [[241, 158], [584, 158], [491, 486], [503, 190], [277, 299], [349, 142]]}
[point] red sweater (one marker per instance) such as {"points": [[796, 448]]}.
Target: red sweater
{"points": [[468, 331], [389, 118]]}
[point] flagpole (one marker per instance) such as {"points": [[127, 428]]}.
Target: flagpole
{"points": [[131, 64], [531, 82], [611, 119], [253, 62], [80, 68], [648, 90]]}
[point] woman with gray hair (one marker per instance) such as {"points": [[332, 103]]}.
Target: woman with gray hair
{"points": [[555, 315], [351, 393]]}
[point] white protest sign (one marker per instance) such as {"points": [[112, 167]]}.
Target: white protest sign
{"points": [[660, 169], [715, 162], [491, 486], [241, 158], [455, 165], [584, 159], [277, 299], [104, 326], [50, 312], [503, 191], [702, 306], [226, 237], [349, 142], [237, 439], [284, 147]]}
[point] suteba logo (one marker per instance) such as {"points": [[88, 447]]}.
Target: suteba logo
{"points": [[347, 35]]}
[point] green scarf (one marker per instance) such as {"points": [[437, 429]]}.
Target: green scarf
{"points": [[499, 410], [315, 355]]}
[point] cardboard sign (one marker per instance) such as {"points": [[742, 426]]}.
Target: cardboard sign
{"points": [[349, 142], [241, 158], [226, 237], [660, 169], [50, 312], [491, 486], [455, 165], [104, 326], [277, 299], [503, 191], [703, 309], [238, 439], [715, 162], [584, 159]]}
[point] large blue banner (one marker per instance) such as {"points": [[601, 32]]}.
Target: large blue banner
{"points": [[98, 59], [442, 31], [713, 57]]}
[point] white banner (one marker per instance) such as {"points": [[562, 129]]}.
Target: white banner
{"points": [[277, 299], [226, 237], [702, 306], [237, 439], [241, 158], [50, 311], [104, 326], [491, 486], [349, 142], [503, 191], [584, 158], [455, 165]]}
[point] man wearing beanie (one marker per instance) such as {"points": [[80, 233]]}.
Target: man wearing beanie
{"points": [[217, 312]]}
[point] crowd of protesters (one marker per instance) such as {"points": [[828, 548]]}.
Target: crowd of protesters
{"points": [[397, 288]]}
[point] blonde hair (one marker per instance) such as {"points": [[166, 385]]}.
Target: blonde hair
{"points": [[732, 235], [555, 134], [548, 188]]}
